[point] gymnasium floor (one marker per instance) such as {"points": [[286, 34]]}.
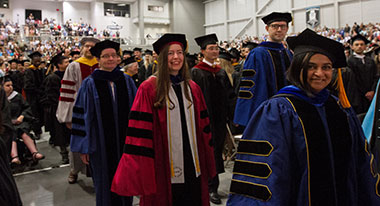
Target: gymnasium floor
{"points": [[45, 184]]}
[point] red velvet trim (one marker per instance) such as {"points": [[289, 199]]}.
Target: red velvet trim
{"points": [[68, 91], [66, 99], [67, 82], [207, 67]]}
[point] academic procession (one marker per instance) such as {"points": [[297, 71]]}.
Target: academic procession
{"points": [[190, 103]]}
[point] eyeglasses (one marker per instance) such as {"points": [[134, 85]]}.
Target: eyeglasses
{"points": [[215, 48], [276, 26], [107, 56]]}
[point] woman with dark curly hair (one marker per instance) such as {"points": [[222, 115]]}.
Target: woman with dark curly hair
{"points": [[305, 146]]}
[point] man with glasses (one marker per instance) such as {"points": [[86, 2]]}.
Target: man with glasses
{"points": [[219, 95], [264, 69], [100, 121]]}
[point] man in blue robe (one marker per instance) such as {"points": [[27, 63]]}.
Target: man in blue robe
{"points": [[100, 121], [264, 69]]}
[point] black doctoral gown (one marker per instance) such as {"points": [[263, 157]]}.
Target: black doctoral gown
{"points": [[359, 79], [219, 97]]}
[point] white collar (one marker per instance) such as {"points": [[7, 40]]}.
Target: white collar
{"points": [[209, 63], [360, 56]]}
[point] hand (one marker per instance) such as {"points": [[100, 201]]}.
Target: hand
{"points": [[85, 158], [68, 125], [369, 95], [19, 120]]}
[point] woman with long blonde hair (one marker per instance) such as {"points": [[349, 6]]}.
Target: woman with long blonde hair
{"points": [[167, 157]]}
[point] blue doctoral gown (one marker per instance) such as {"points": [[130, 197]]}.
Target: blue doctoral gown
{"points": [[262, 76], [100, 120], [299, 151]]}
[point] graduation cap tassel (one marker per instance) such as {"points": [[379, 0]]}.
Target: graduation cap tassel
{"points": [[342, 93], [49, 69]]}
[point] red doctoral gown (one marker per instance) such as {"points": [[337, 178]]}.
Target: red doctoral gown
{"points": [[144, 168]]}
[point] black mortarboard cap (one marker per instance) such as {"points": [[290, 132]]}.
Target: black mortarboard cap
{"points": [[225, 55], [127, 52], [149, 52], [56, 59], [13, 60], [309, 41], [277, 16], [100, 46], [359, 37], [203, 41], [235, 53], [23, 61], [129, 60], [137, 49], [169, 38], [74, 53], [87, 39], [36, 53], [250, 45]]}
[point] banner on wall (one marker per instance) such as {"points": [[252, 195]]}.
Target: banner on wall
{"points": [[312, 16]]}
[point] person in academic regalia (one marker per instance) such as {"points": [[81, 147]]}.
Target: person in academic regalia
{"points": [[219, 97], [264, 69], [75, 73], [305, 146], [16, 76], [131, 69], [361, 76], [153, 68], [9, 195], [60, 134], [22, 118], [235, 59], [137, 53], [33, 78], [167, 156], [8, 131], [74, 55], [127, 54], [246, 49], [100, 121]]}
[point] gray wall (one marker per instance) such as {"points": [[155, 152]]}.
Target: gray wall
{"points": [[188, 17]]}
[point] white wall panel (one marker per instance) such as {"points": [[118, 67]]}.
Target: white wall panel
{"points": [[300, 23], [314, 2], [275, 5], [188, 18], [371, 11], [239, 9], [48, 9], [348, 13], [214, 12], [298, 3], [327, 15], [76, 10], [219, 30], [235, 27]]}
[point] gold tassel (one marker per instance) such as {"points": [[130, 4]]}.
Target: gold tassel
{"points": [[49, 69], [341, 91]]}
